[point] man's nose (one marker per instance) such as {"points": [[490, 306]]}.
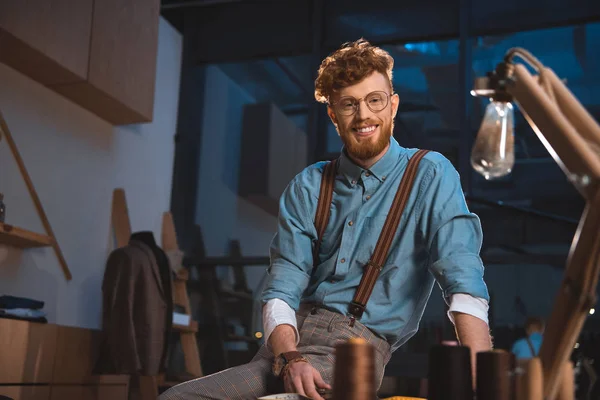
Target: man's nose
{"points": [[363, 111]]}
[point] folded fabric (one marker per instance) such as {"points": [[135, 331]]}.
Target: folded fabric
{"points": [[10, 302], [24, 312], [29, 319]]}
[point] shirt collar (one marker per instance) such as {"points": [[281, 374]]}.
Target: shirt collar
{"points": [[380, 170]]}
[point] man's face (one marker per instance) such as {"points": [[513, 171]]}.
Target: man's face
{"points": [[367, 131]]}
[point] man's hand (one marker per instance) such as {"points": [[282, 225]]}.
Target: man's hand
{"points": [[299, 377], [302, 378]]}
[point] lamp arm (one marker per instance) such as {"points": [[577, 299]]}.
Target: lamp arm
{"points": [[572, 137], [568, 132], [525, 55]]}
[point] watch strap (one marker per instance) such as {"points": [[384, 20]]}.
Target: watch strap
{"points": [[290, 356]]}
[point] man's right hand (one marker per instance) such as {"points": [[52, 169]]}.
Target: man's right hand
{"points": [[302, 378], [299, 377]]}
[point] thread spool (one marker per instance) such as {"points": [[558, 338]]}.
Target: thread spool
{"points": [[495, 377], [450, 374], [354, 372], [529, 379]]}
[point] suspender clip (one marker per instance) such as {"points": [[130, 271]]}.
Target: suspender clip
{"points": [[356, 310]]}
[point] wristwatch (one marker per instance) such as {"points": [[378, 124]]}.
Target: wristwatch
{"points": [[284, 359]]}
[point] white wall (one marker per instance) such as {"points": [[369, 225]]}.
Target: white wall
{"points": [[75, 160]]}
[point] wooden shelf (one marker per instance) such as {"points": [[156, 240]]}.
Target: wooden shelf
{"points": [[14, 236]]}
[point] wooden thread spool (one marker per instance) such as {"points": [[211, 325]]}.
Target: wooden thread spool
{"points": [[450, 374], [529, 380], [354, 373], [495, 375]]}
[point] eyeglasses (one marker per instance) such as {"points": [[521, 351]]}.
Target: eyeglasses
{"points": [[375, 101]]}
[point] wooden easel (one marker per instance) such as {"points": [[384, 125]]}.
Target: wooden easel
{"points": [[148, 385], [4, 131], [189, 344]]}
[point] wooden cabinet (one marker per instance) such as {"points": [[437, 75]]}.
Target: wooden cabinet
{"points": [[101, 54], [57, 360], [48, 40], [62, 392], [27, 351], [27, 392], [122, 68], [78, 350], [109, 392]]}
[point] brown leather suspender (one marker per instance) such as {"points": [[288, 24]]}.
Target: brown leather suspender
{"points": [[377, 261], [324, 204]]}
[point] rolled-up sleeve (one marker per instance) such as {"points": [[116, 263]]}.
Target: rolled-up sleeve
{"points": [[291, 249], [453, 234]]}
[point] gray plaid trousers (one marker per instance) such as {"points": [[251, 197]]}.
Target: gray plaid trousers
{"points": [[320, 331]]}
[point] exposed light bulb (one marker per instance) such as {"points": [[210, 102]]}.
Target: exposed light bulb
{"points": [[493, 154]]}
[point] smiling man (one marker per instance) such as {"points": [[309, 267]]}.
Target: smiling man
{"points": [[331, 278]]}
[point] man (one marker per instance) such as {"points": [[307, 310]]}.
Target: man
{"points": [[310, 286], [529, 346]]}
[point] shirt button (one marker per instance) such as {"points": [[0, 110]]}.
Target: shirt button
{"points": [[383, 178], [367, 173], [368, 197], [354, 182], [343, 260], [350, 223]]}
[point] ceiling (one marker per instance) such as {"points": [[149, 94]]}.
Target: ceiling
{"points": [[239, 30]]}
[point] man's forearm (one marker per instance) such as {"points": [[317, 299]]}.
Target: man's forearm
{"points": [[473, 333], [282, 339]]}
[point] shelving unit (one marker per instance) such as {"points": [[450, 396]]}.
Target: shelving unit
{"points": [[226, 329], [187, 333], [191, 328], [22, 238]]}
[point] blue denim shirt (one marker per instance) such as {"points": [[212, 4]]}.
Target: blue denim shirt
{"points": [[521, 348], [437, 239]]}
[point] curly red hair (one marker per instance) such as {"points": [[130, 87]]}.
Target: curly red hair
{"points": [[350, 64]]}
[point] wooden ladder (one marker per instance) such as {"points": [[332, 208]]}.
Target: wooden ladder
{"points": [[189, 344]]}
